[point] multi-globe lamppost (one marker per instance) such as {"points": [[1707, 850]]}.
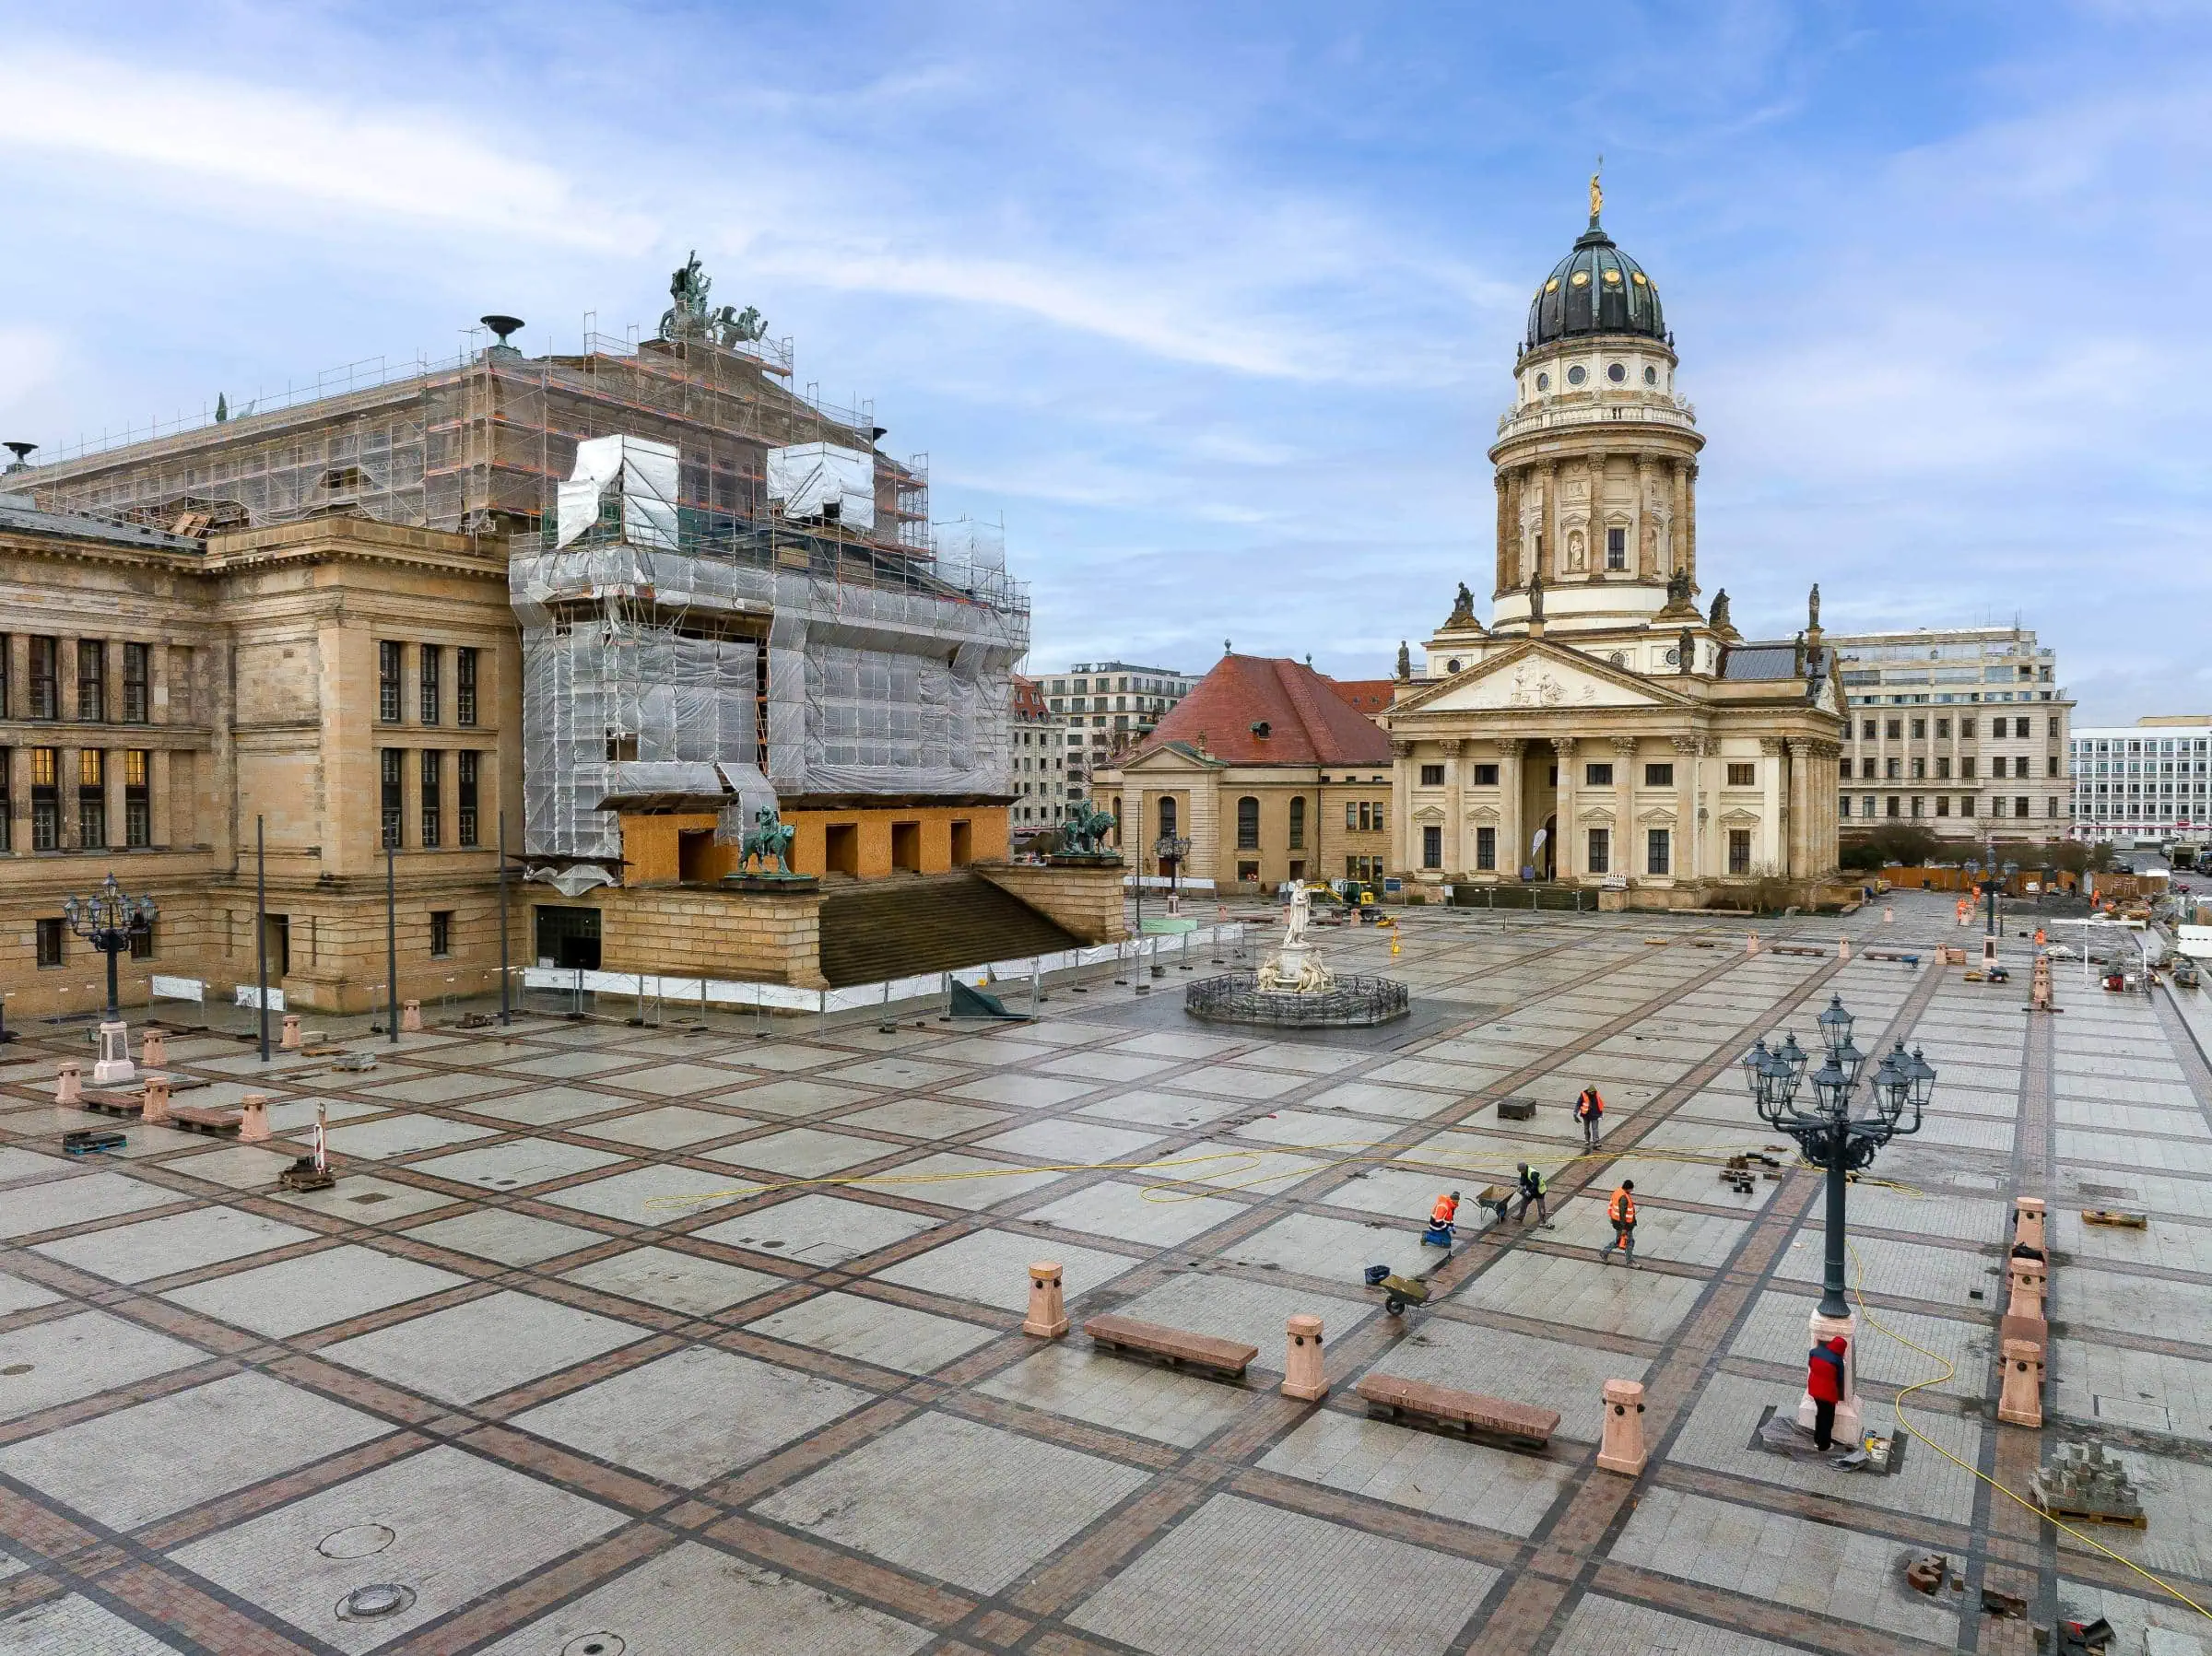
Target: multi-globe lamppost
{"points": [[108, 921], [1840, 1130]]}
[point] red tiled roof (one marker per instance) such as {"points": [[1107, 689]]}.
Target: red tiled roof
{"points": [[1369, 696], [1308, 721], [1028, 698]]}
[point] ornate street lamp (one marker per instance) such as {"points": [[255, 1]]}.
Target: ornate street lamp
{"points": [[108, 921], [1170, 850], [1840, 1130]]}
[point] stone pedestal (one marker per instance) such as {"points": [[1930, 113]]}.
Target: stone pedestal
{"points": [[1823, 1330], [254, 1118], [2028, 1222], [153, 1048], [2020, 1402], [1622, 1450], [1843, 948], [114, 1066], [157, 1101], [289, 1041], [410, 1018], [2027, 1283], [1751, 942], [1048, 1305], [1302, 1378], [69, 1088]]}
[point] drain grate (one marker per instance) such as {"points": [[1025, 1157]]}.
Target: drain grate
{"points": [[369, 1604]]}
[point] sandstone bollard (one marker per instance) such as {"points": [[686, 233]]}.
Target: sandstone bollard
{"points": [[157, 1101], [1622, 1450], [2028, 1222], [1302, 1378], [2027, 1289], [1751, 942], [71, 1088], [1889, 914], [290, 1040], [1843, 948], [153, 1048], [1048, 1305], [2020, 1402], [254, 1118], [410, 1018]]}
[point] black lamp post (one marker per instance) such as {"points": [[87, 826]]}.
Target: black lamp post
{"points": [[1169, 851], [1843, 1127], [108, 921]]}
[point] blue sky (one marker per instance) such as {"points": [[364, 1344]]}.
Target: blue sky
{"points": [[1217, 304]]}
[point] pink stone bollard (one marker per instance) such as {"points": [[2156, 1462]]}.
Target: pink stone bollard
{"points": [[410, 1018], [1751, 942], [2027, 1289], [2028, 1222], [2020, 1402], [1048, 1305], [254, 1118], [70, 1090], [1889, 914], [1302, 1377], [290, 1040], [153, 1050], [1623, 1449], [1843, 948], [157, 1101]]}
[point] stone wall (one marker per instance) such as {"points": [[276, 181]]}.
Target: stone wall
{"points": [[701, 930], [1086, 901]]}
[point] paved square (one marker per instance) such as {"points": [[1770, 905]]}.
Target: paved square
{"points": [[482, 1348]]}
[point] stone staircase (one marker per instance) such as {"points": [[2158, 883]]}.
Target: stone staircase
{"points": [[908, 925]]}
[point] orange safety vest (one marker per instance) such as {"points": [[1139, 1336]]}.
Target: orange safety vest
{"points": [[1589, 1104], [1444, 1212], [1622, 1210]]}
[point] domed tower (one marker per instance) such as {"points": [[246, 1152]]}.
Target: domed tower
{"points": [[1597, 460]]}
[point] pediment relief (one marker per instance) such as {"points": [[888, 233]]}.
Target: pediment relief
{"points": [[1484, 814], [1602, 815], [1656, 817], [1536, 677], [1740, 819], [1429, 813]]}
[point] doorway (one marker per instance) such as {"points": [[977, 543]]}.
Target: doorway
{"points": [[1548, 867], [280, 946], [963, 844], [906, 846], [694, 851], [840, 849], [568, 938]]}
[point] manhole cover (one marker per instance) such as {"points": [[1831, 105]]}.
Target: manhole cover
{"points": [[594, 1644], [368, 1604], [355, 1541]]}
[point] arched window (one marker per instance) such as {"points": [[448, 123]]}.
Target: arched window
{"points": [[1298, 822], [1167, 816], [1248, 824]]}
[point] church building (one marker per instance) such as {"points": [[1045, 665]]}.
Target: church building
{"points": [[1602, 730]]}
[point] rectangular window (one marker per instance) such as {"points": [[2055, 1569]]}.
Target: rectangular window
{"points": [[8, 669], [1739, 851], [91, 681], [45, 800], [1617, 549], [442, 932], [1966, 805], [1966, 729], [428, 656], [1894, 729], [2051, 765], [1891, 769], [1659, 776], [1843, 802], [1942, 727], [136, 697], [1598, 776], [1657, 850], [1920, 768], [465, 803], [1486, 848], [91, 799], [1866, 730], [2053, 803], [1966, 769], [142, 942], [1916, 805], [432, 768], [1842, 769], [388, 680], [1920, 729], [2019, 806], [51, 933], [1891, 808], [1865, 769], [1432, 775], [1601, 851], [1432, 847], [44, 673], [1943, 769], [1746, 776], [465, 686], [1943, 805], [1352, 815], [137, 798], [1486, 775], [389, 806]]}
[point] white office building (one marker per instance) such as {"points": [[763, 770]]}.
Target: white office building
{"points": [[1108, 706], [2148, 780]]}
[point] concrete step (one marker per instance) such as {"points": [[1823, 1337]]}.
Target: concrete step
{"points": [[941, 922]]}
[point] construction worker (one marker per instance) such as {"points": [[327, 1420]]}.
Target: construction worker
{"points": [[1824, 1379], [1622, 1210], [1588, 1107], [1532, 1191], [1445, 1212]]}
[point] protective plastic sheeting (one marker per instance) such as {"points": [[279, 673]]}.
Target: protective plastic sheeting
{"points": [[641, 474], [820, 479]]}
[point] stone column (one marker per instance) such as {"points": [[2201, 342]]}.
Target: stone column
{"points": [[1506, 526], [112, 682], [1048, 1305], [1403, 776], [157, 790], [1302, 1374], [112, 775], [66, 762], [156, 683], [1622, 1448], [15, 665], [1688, 861], [64, 679], [1513, 847], [1566, 857], [1799, 839], [1642, 559], [1455, 810], [1678, 519], [19, 797], [1624, 804], [1554, 555], [1770, 804], [1689, 520]]}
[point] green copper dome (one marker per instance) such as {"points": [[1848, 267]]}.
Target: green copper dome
{"points": [[1596, 288]]}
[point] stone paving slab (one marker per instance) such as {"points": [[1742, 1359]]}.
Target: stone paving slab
{"points": [[821, 1230], [314, 1290], [77, 1355], [675, 1280], [490, 1345], [1135, 1213], [1642, 1304], [1068, 1378], [166, 1247], [75, 1625], [1493, 1488], [991, 1267], [874, 1331]]}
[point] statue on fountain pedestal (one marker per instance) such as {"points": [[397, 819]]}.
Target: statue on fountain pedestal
{"points": [[1295, 967]]}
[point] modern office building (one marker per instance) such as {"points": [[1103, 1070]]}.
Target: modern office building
{"points": [[1963, 730], [1109, 707], [2143, 781]]}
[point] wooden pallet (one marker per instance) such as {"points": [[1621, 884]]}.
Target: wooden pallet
{"points": [[2108, 1216], [2140, 1521], [111, 1103], [216, 1123]]}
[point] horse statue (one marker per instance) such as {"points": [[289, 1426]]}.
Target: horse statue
{"points": [[1085, 828], [770, 837]]}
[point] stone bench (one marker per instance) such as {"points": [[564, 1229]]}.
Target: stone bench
{"points": [[1516, 1422], [1174, 1345]]}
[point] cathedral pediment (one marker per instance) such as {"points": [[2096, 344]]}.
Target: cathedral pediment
{"points": [[1535, 677]]}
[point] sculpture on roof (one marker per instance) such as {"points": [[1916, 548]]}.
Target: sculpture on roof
{"points": [[1463, 609], [1085, 828], [1405, 662], [1685, 645], [770, 837], [1720, 611], [732, 326], [1535, 595], [689, 286], [1812, 606], [1677, 588]]}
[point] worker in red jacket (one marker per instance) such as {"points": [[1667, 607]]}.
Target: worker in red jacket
{"points": [[1589, 1106], [1824, 1379]]}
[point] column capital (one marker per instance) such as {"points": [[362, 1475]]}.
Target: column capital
{"points": [[1511, 746], [1564, 746], [1450, 746], [1400, 748], [1771, 745], [1689, 745], [1622, 745]]}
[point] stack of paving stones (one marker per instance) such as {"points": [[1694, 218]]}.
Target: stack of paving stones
{"points": [[495, 1368]]}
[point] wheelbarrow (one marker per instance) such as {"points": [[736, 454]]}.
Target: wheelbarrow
{"points": [[1398, 1292]]}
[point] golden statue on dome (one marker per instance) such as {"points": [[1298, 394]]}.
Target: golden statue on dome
{"points": [[1597, 191]]}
